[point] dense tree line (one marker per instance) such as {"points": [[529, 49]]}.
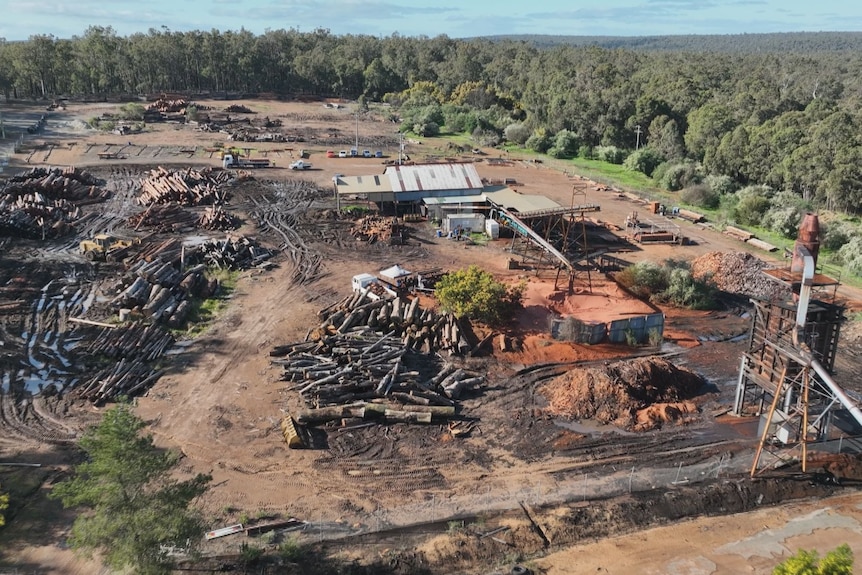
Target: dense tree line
{"points": [[721, 120]]}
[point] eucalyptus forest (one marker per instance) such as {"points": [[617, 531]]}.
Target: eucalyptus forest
{"points": [[768, 126]]}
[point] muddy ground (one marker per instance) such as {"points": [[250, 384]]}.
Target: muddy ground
{"points": [[364, 490]]}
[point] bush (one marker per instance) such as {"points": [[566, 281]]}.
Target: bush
{"points": [[539, 142], [610, 154], [782, 220], [645, 161], [685, 291], [485, 137], [670, 282], [851, 255], [566, 143], [752, 203], [474, 293], [834, 236], [702, 196], [678, 176], [426, 130], [132, 111], [721, 185], [517, 133], [644, 279]]}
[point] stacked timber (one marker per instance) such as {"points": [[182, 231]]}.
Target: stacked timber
{"points": [[216, 218], [134, 347], [366, 375], [374, 228], [167, 218], [188, 187], [234, 253], [420, 329], [163, 294], [42, 203]]}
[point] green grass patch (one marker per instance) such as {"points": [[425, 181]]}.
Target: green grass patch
{"points": [[205, 311]]}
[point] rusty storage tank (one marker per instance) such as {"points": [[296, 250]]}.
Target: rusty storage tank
{"points": [[808, 236]]}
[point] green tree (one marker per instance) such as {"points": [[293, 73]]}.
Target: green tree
{"points": [[839, 561], [133, 505], [645, 160], [474, 293], [4, 505]]}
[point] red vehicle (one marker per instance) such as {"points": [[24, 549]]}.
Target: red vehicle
{"points": [[330, 154]]}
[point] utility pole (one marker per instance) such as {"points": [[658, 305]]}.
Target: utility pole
{"points": [[638, 141], [356, 145]]}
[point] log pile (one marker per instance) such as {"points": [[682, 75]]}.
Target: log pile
{"points": [[738, 273], [134, 347], [163, 294], [164, 218], [187, 187], [234, 253], [165, 105], [43, 203], [364, 374], [374, 228], [239, 109], [420, 329], [216, 218]]}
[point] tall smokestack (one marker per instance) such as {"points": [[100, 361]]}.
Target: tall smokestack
{"points": [[809, 236]]}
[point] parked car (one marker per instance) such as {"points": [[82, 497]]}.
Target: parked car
{"points": [[342, 154], [330, 154], [366, 153], [378, 154]]}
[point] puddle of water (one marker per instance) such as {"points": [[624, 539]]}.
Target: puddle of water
{"points": [[592, 429]]}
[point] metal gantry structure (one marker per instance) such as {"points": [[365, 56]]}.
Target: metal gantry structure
{"points": [[555, 237], [785, 374]]}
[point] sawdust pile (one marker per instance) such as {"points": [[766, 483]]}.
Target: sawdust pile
{"points": [[738, 273], [636, 394]]}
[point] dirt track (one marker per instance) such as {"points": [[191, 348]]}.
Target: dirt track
{"points": [[221, 402]]}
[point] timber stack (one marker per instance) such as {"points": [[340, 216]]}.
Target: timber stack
{"points": [[365, 375], [42, 203], [237, 253], [135, 347], [420, 329], [216, 218], [164, 218], [374, 228], [187, 187]]}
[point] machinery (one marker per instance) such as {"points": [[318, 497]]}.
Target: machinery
{"points": [[103, 247], [233, 161]]}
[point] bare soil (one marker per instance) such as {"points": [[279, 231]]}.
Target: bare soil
{"points": [[221, 402]]}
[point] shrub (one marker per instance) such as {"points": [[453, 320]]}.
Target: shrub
{"points": [[702, 196], [645, 161], [132, 111], [752, 203], [427, 129], [851, 255], [677, 176], [517, 133], [670, 282], [610, 154], [782, 220], [721, 185], [485, 137], [644, 279], [566, 143], [684, 290], [835, 235], [474, 293], [539, 142]]}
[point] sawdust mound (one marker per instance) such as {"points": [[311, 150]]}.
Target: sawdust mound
{"points": [[636, 394], [738, 273]]}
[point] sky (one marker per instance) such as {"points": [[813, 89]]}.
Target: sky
{"points": [[20, 19]]}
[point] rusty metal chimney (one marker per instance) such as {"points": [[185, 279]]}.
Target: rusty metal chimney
{"points": [[809, 236]]}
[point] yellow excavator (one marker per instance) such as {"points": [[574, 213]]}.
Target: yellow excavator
{"points": [[103, 247]]}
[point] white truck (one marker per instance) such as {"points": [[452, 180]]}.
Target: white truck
{"points": [[231, 161], [300, 165], [375, 288]]}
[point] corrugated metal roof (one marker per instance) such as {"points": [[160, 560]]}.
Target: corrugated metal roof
{"points": [[518, 202], [363, 184], [430, 177]]}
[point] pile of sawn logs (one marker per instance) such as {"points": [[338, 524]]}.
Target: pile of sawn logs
{"points": [[43, 203], [363, 374], [187, 187], [174, 218], [424, 330], [234, 253], [374, 228], [162, 293], [135, 346]]}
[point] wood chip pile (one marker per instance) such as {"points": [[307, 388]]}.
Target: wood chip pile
{"points": [[187, 187], [637, 394], [738, 273], [43, 203]]}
